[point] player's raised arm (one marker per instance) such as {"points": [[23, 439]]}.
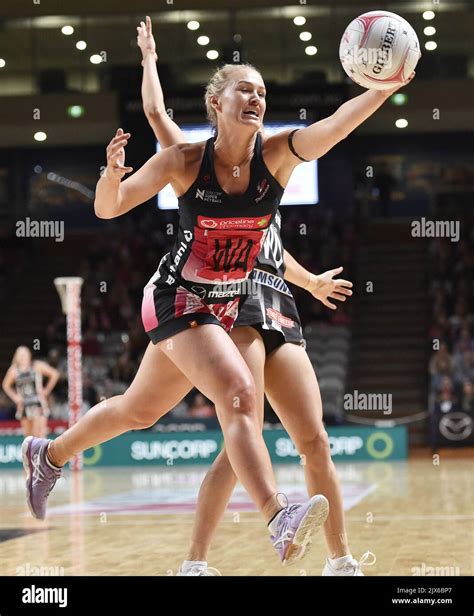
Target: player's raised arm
{"points": [[166, 131], [315, 140], [114, 197]]}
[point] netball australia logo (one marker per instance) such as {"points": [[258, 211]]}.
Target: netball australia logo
{"points": [[212, 196]]}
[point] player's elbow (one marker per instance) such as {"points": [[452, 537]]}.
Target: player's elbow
{"points": [[152, 112], [100, 212]]}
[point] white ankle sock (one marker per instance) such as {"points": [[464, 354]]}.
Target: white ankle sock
{"points": [[339, 562], [187, 564], [49, 463]]}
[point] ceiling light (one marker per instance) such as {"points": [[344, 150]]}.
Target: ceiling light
{"points": [[401, 123], [299, 20]]}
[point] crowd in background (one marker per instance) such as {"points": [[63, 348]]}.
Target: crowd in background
{"points": [[118, 264], [451, 333]]}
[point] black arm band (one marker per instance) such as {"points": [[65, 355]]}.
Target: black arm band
{"points": [[293, 151]]}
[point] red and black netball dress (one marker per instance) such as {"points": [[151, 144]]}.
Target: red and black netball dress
{"points": [[203, 278], [271, 308]]}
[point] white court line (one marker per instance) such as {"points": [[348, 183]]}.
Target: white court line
{"points": [[147, 502], [116, 520]]}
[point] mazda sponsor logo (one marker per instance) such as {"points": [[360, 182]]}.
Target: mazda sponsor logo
{"points": [[199, 291], [456, 426]]}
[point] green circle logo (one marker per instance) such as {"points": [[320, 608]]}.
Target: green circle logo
{"points": [[387, 441], [94, 457]]}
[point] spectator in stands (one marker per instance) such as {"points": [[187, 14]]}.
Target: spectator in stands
{"points": [[440, 327], [464, 366], [446, 401], [201, 407], [467, 398], [89, 392], [441, 365], [464, 342], [124, 370], [90, 343]]}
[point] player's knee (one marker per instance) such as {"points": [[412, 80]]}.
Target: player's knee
{"points": [[315, 448], [137, 416], [241, 396]]}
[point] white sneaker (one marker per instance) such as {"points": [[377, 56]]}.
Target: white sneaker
{"points": [[349, 566], [200, 570]]}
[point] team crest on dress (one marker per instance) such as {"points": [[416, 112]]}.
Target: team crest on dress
{"points": [[262, 189]]}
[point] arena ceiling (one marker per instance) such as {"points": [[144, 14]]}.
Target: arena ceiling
{"points": [[31, 40]]}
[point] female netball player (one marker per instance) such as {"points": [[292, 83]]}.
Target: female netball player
{"points": [[271, 347], [213, 255], [23, 383]]}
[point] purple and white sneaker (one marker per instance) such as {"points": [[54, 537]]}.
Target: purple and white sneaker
{"points": [[293, 528], [41, 475]]}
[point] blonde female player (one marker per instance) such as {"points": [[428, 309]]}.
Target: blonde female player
{"points": [[23, 383], [272, 349], [223, 217], [198, 285]]}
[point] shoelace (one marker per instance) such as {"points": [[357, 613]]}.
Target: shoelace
{"points": [[355, 565], [204, 571], [288, 534], [39, 476]]}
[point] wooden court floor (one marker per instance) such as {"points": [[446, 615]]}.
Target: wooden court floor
{"points": [[417, 517]]}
